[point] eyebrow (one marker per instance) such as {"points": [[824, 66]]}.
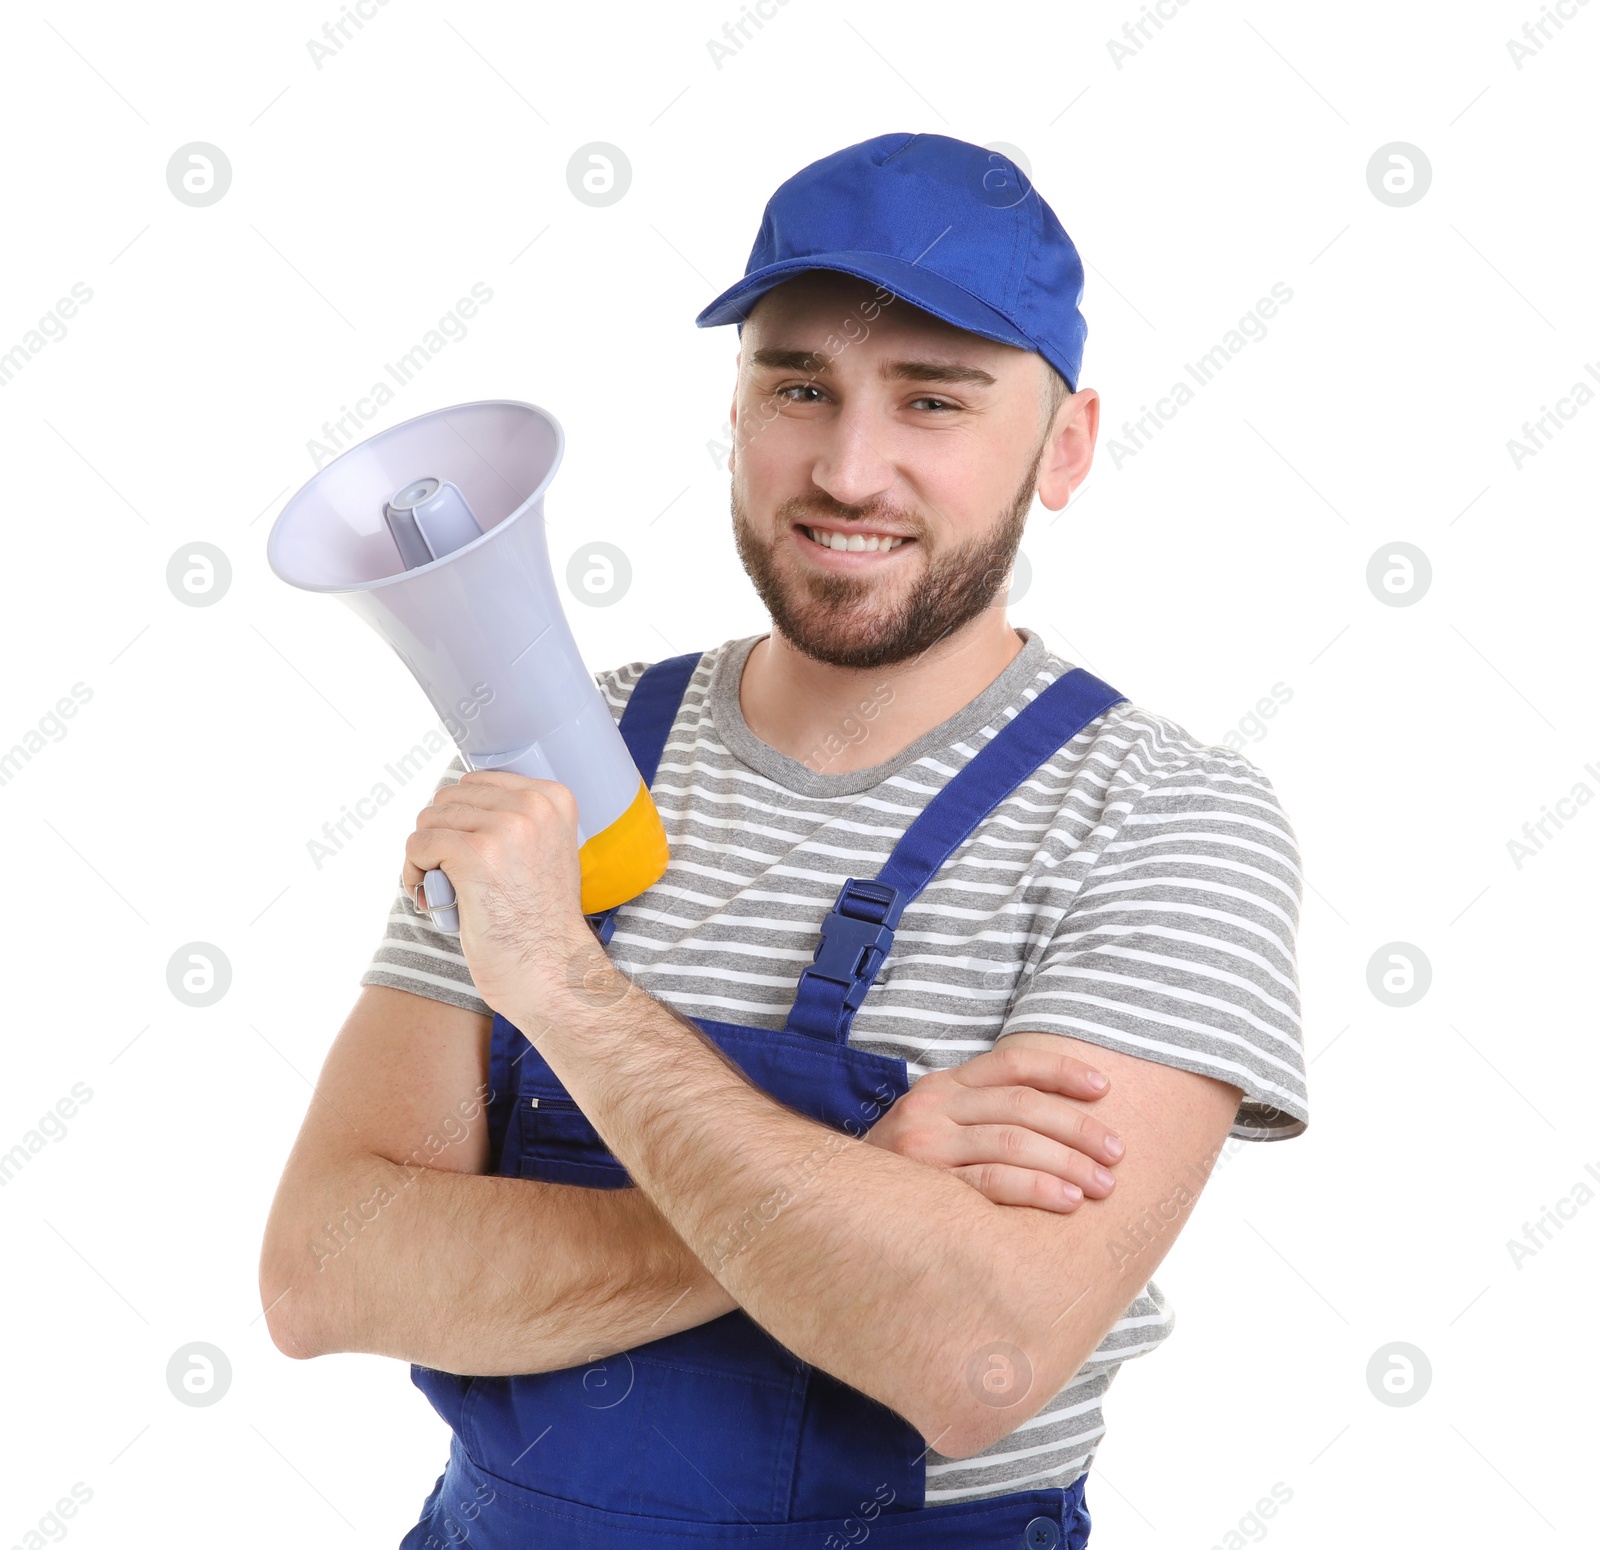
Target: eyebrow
{"points": [[816, 362]]}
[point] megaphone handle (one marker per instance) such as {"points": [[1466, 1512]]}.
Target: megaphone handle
{"points": [[441, 902]]}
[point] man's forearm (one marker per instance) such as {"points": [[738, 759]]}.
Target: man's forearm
{"points": [[478, 1274], [876, 1268]]}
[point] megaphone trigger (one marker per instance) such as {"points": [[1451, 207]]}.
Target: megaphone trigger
{"points": [[441, 902], [435, 897]]}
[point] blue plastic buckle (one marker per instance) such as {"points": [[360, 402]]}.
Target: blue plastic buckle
{"points": [[856, 936]]}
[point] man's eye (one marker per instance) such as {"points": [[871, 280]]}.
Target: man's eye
{"points": [[937, 405]]}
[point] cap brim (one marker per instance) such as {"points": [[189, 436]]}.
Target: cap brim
{"points": [[934, 294]]}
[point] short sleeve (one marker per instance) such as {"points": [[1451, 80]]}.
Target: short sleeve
{"points": [[414, 955], [1180, 945]]}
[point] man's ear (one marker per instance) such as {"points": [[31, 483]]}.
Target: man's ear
{"points": [[1066, 460]]}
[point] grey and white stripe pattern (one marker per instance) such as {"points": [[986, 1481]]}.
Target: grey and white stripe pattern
{"points": [[1141, 891]]}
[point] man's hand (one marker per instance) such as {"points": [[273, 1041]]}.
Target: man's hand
{"points": [[1002, 1122], [509, 845]]}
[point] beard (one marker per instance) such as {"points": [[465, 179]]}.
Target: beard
{"points": [[845, 621]]}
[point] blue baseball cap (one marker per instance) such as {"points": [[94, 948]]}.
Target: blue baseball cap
{"points": [[951, 227]]}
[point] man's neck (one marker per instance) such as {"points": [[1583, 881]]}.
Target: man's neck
{"points": [[817, 713]]}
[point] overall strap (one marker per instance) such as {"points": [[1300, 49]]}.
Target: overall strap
{"points": [[647, 717], [645, 726], [858, 931]]}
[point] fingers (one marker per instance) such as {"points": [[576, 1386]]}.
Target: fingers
{"points": [[1010, 1186], [1045, 1113], [431, 846], [1013, 1064], [1020, 1146], [477, 804], [502, 791]]}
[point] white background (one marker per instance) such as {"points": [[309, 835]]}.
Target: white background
{"points": [[1228, 153]]}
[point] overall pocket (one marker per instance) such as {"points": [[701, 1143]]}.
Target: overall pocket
{"points": [[560, 1146], [677, 1430]]}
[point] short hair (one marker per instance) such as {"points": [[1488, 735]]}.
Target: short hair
{"points": [[1056, 392]]}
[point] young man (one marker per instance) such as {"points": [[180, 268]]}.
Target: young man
{"points": [[926, 877]]}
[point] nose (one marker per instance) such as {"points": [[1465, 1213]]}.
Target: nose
{"points": [[851, 465]]}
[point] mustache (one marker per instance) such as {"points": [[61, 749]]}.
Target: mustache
{"points": [[804, 508]]}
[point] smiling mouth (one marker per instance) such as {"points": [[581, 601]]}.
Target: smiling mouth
{"points": [[852, 543]]}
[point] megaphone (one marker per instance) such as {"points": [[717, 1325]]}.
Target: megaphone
{"points": [[433, 532]]}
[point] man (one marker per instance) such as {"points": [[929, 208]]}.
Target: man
{"points": [[653, 1279]]}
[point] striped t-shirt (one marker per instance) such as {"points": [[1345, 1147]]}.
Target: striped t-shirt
{"points": [[1141, 891]]}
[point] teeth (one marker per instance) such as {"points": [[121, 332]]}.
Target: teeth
{"points": [[878, 542]]}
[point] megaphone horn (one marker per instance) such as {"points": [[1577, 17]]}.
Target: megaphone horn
{"points": [[433, 532]]}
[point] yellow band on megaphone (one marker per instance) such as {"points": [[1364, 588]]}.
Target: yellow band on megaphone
{"points": [[625, 857]]}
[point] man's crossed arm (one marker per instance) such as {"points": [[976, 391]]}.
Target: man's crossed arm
{"points": [[908, 1272], [963, 1316], [383, 1236], [896, 1277]]}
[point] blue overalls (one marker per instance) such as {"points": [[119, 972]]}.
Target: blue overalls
{"points": [[718, 1437]]}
